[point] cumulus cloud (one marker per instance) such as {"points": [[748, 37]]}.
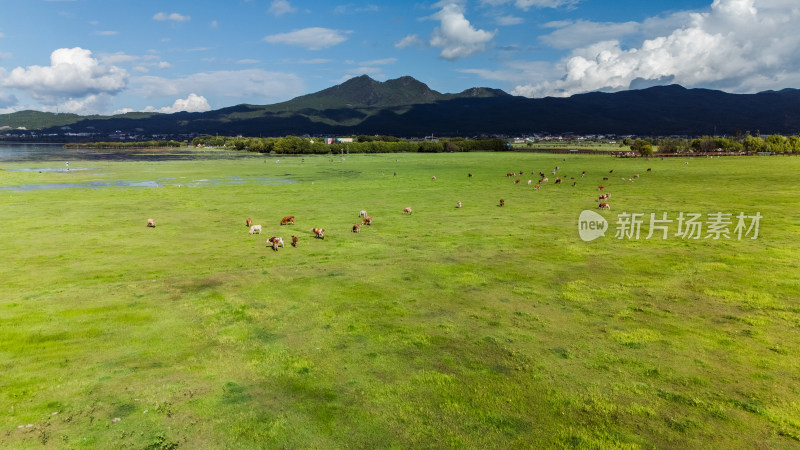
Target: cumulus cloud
{"points": [[737, 45], [72, 73], [314, 38], [251, 84], [281, 7], [456, 36], [175, 17], [192, 103]]}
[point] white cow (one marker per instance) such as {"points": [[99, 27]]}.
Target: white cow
{"points": [[255, 229]]}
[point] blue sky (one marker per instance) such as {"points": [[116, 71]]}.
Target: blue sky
{"points": [[107, 56]]}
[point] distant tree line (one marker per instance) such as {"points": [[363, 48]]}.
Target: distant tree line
{"points": [[126, 145], [774, 143], [294, 145]]}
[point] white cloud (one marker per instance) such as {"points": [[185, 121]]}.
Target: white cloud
{"points": [[72, 73], [214, 24], [456, 36], [192, 103], [380, 62], [408, 41], [175, 17], [528, 4], [255, 85], [86, 105], [248, 61], [314, 38], [107, 33], [2, 35], [509, 20], [281, 7], [314, 61], [739, 45], [583, 32]]}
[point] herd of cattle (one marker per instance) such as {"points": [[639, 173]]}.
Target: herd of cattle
{"points": [[277, 242], [602, 203]]}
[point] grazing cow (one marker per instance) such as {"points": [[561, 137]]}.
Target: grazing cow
{"points": [[407, 210], [603, 197], [601, 187], [294, 241], [537, 187], [367, 221], [363, 213], [458, 205], [255, 229], [574, 183], [356, 228], [544, 180], [275, 242], [318, 232], [583, 174], [605, 178], [287, 220], [604, 206], [249, 222], [517, 181], [636, 176], [502, 202], [529, 182], [558, 180], [649, 169], [611, 171], [151, 223], [469, 175], [541, 174], [434, 178]]}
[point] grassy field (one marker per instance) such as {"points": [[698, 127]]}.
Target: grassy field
{"points": [[478, 327]]}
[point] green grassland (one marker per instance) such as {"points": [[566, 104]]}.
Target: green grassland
{"points": [[478, 327]]}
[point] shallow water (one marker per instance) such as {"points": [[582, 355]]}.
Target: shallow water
{"points": [[143, 184], [20, 152]]}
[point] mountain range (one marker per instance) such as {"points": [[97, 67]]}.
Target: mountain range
{"points": [[406, 107]]}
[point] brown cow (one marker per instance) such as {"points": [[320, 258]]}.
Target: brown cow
{"points": [[367, 220], [318, 232], [537, 187], [603, 197], [502, 202], [249, 222], [605, 178], [151, 223], [517, 181], [469, 175], [558, 180], [275, 242], [287, 220], [601, 187], [356, 228], [649, 169], [294, 241], [407, 210], [604, 206]]}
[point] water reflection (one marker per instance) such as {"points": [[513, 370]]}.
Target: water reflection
{"points": [[142, 184]]}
